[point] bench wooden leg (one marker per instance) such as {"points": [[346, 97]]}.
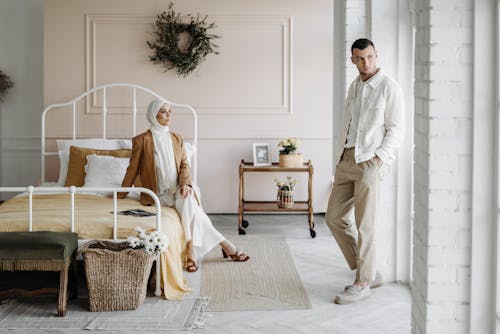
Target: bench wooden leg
{"points": [[73, 279], [63, 295]]}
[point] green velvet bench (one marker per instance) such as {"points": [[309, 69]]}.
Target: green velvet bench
{"points": [[40, 251]]}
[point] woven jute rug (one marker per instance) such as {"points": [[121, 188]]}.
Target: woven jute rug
{"points": [[268, 281], [154, 314]]}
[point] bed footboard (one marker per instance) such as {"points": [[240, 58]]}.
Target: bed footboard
{"points": [[31, 190]]}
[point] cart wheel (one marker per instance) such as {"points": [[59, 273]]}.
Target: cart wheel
{"points": [[244, 223], [313, 233], [241, 231]]}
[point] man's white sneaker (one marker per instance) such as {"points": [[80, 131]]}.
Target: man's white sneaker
{"points": [[353, 294], [377, 282]]}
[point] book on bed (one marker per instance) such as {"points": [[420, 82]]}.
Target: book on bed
{"points": [[136, 213]]}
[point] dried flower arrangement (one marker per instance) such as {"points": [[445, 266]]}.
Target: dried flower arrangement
{"points": [[5, 84], [168, 30], [288, 185]]}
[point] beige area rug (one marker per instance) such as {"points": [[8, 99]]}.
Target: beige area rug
{"points": [[154, 315], [268, 281]]}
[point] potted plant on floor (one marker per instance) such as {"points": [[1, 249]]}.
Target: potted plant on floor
{"points": [[117, 272]]}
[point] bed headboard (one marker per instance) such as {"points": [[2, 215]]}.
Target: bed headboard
{"points": [[71, 107]]}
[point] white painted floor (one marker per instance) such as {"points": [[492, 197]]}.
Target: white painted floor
{"points": [[324, 274]]}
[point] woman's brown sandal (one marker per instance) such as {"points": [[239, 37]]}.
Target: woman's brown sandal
{"points": [[237, 256], [191, 266]]}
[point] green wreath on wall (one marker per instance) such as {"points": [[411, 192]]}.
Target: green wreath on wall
{"points": [[167, 51]]}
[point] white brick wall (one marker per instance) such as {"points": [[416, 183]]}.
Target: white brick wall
{"points": [[443, 157], [356, 26]]}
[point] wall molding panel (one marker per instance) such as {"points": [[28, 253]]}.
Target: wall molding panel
{"points": [[20, 144], [263, 41]]}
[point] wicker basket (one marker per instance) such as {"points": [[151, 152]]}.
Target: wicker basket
{"points": [[284, 199], [291, 160], [117, 275]]}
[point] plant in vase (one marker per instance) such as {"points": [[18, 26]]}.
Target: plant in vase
{"points": [[284, 199], [288, 156]]}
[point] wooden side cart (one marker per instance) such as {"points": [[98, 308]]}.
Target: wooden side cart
{"points": [[271, 206]]}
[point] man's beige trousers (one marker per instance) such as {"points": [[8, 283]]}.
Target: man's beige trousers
{"points": [[355, 185]]}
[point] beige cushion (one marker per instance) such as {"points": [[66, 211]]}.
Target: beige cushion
{"points": [[78, 160]]}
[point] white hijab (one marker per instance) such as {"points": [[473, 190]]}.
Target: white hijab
{"points": [[166, 171]]}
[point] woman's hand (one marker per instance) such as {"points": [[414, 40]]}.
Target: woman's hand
{"points": [[185, 191]]}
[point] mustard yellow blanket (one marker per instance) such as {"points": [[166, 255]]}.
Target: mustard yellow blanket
{"points": [[94, 220]]}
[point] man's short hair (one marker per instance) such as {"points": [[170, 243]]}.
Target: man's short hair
{"points": [[362, 44]]}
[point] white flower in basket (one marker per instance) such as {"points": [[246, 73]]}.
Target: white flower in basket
{"points": [[285, 192], [288, 145], [153, 243], [288, 156]]}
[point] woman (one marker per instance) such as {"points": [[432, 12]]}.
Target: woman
{"points": [[159, 157]]}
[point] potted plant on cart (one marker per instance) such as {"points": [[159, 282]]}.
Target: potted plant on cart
{"points": [[288, 156], [284, 198]]}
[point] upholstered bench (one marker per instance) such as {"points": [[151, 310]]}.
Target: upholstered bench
{"points": [[40, 251]]}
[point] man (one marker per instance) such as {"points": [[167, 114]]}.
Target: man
{"points": [[372, 130]]}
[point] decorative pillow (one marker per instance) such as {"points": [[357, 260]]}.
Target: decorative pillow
{"points": [[105, 171], [63, 146], [78, 160]]}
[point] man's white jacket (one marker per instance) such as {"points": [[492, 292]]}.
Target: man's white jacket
{"points": [[381, 120]]}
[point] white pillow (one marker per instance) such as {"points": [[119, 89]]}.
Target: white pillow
{"points": [[190, 150], [126, 143], [105, 171], [63, 167], [96, 143], [63, 146]]}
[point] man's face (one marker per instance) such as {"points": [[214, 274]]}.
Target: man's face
{"points": [[365, 60]]}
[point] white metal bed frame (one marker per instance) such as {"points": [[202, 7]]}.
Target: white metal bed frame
{"points": [[74, 190], [104, 112]]}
